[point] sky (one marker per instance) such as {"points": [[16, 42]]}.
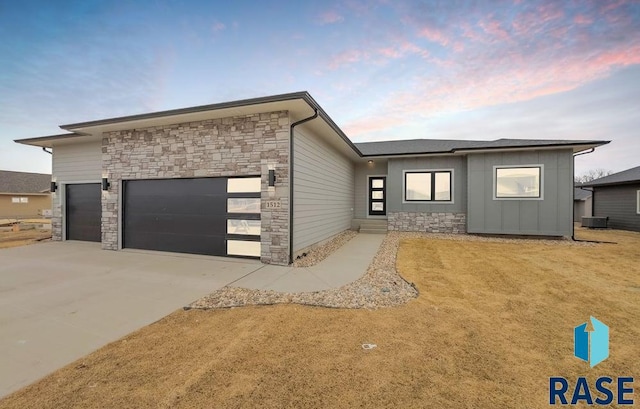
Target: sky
{"points": [[383, 70]]}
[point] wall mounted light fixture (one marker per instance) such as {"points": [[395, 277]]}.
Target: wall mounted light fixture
{"points": [[105, 184], [54, 186], [370, 161], [272, 177]]}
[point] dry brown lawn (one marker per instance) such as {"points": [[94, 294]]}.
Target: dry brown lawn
{"points": [[22, 238], [493, 322]]}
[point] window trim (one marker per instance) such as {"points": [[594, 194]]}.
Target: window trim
{"points": [[433, 186], [638, 202], [495, 182]]}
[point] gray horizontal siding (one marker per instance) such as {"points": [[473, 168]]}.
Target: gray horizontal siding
{"points": [[395, 183], [323, 190], [550, 216], [77, 162], [361, 188], [619, 204]]}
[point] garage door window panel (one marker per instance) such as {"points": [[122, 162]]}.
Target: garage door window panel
{"points": [[244, 226]]}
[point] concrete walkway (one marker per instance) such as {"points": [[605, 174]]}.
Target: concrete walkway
{"points": [[61, 300], [344, 266]]}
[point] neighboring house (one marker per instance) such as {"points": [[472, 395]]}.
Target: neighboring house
{"points": [[221, 180], [617, 197], [24, 195], [581, 204]]}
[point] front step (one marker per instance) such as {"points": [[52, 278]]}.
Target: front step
{"points": [[373, 226], [373, 231]]}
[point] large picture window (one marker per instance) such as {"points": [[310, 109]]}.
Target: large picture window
{"points": [[427, 186], [524, 182]]}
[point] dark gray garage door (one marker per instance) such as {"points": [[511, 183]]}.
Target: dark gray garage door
{"points": [[83, 212], [191, 216]]}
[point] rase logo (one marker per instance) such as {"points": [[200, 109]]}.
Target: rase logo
{"points": [[592, 345]]}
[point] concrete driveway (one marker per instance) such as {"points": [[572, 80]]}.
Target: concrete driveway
{"points": [[61, 300]]}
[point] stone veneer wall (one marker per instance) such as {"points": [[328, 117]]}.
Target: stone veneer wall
{"points": [[56, 215], [235, 146], [427, 222]]}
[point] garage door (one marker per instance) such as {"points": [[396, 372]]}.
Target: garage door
{"points": [[83, 204], [212, 216]]}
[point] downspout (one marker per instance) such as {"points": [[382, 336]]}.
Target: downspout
{"points": [[573, 210], [293, 125], [45, 149]]}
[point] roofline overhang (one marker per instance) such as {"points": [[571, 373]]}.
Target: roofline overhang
{"points": [[580, 148], [626, 182], [79, 129], [190, 110], [45, 141]]}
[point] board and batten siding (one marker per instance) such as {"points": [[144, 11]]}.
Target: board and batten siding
{"points": [[550, 216], [395, 184], [619, 204], [361, 188], [323, 190]]}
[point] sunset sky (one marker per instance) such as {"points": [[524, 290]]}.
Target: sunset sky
{"points": [[381, 69]]}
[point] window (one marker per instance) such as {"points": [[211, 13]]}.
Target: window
{"points": [[523, 182], [243, 248], [243, 227], [427, 186], [243, 205], [638, 202], [243, 185], [19, 200]]}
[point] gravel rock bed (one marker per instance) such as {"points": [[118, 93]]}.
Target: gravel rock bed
{"points": [[319, 253], [381, 286]]}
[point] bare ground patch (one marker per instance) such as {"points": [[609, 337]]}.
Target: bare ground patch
{"points": [[23, 237]]}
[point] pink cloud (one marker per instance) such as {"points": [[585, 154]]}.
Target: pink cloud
{"points": [[535, 21], [434, 35], [494, 29], [472, 87], [489, 59], [382, 55], [347, 57], [402, 49], [582, 19], [330, 17]]}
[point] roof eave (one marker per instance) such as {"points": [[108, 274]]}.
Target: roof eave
{"points": [[580, 147], [181, 111], [625, 182], [46, 141]]}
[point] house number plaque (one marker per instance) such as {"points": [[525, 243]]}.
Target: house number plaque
{"points": [[272, 204]]}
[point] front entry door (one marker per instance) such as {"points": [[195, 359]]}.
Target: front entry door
{"points": [[377, 196]]}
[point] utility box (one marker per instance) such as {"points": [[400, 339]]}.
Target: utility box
{"points": [[593, 222]]}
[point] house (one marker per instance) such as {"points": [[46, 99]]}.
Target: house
{"points": [[617, 197], [221, 179], [581, 204], [24, 195]]}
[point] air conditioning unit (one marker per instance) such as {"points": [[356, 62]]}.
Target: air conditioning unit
{"points": [[594, 222]]}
